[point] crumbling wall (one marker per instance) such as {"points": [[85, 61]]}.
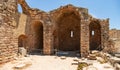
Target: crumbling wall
{"points": [[20, 28], [57, 30], [115, 37], [8, 41], [82, 25], [104, 32], [114, 34], [67, 30], [34, 16]]}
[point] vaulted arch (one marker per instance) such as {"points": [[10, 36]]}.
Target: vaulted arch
{"points": [[38, 34], [22, 41], [68, 31]]}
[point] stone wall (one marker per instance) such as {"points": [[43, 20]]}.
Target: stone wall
{"points": [[52, 29], [8, 41], [56, 29], [114, 34], [36, 29], [115, 37], [80, 14], [20, 27]]}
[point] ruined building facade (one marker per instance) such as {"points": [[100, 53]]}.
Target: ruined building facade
{"points": [[67, 28]]}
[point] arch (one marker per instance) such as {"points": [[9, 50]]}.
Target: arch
{"points": [[38, 35], [95, 35], [22, 40], [68, 31]]}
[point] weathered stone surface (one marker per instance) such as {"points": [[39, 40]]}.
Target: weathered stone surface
{"points": [[115, 37], [117, 66], [67, 28], [114, 34], [53, 30], [22, 51], [8, 48], [91, 57]]}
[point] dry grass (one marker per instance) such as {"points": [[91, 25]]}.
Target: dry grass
{"points": [[82, 65]]}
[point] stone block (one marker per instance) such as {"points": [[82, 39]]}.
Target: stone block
{"points": [[117, 55], [91, 57], [117, 66], [22, 51]]}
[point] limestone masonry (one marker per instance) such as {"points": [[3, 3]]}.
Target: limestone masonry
{"points": [[114, 34], [67, 28]]}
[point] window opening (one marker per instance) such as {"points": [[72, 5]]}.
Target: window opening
{"points": [[93, 33], [71, 34]]}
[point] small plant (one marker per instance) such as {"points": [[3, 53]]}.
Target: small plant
{"points": [[82, 65]]}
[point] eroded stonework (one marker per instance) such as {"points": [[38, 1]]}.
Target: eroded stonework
{"points": [[8, 21], [115, 37], [67, 28], [53, 30], [114, 34]]}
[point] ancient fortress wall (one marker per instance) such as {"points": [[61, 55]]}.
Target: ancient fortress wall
{"points": [[8, 41], [36, 29]]}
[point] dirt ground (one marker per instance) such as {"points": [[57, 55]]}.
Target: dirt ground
{"points": [[37, 62], [40, 62]]}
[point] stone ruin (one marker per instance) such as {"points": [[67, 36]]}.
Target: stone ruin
{"points": [[67, 28], [115, 37], [114, 34]]}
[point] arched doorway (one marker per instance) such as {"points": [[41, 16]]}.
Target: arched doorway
{"points": [[69, 31], [95, 35], [22, 41], [38, 35]]}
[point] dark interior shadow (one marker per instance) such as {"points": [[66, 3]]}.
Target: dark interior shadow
{"points": [[58, 53]]}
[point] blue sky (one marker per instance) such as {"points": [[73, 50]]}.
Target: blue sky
{"points": [[97, 8]]}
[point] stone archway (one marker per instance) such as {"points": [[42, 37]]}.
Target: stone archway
{"points": [[68, 32], [22, 41], [95, 35], [38, 35]]}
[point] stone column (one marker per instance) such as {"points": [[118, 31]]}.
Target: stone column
{"points": [[104, 32], [84, 39], [48, 40]]}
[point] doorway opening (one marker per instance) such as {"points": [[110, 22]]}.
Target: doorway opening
{"points": [[22, 41], [38, 36], [68, 32], [95, 36]]}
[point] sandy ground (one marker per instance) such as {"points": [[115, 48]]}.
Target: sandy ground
{"points": [[51, 63], [43, 63]]}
